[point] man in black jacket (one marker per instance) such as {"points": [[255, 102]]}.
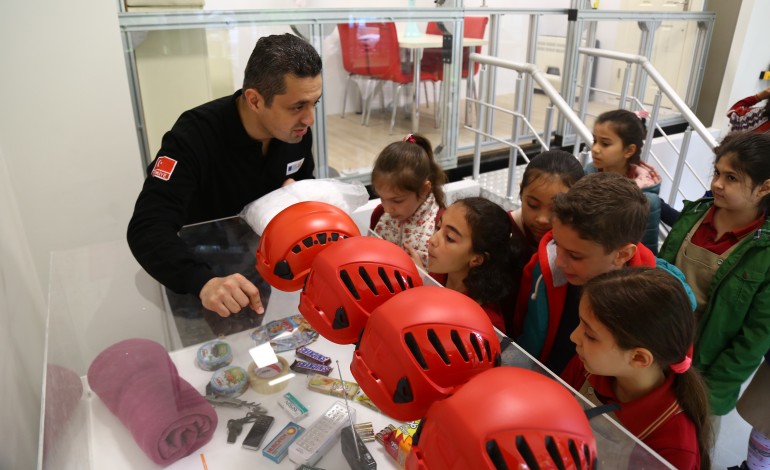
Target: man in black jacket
{"points": [[219, 157]]}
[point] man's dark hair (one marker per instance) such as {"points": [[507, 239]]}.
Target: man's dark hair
{"points": [[273, 58]]}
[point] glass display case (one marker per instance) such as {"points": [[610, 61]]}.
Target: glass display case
{"points": [[79, 431]]}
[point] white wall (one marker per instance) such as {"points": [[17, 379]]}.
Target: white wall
{"points": [[66, 125], [69, 175], [22, 318]]}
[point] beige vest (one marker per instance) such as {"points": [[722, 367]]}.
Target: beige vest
{"points": [[699, 266]]}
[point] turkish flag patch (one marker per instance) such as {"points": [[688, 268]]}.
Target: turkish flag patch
{"points": [[164, 166]]}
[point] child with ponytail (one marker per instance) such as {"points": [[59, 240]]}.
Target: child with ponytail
{"points": [[410, 184], [618, 140], [634, 349]]}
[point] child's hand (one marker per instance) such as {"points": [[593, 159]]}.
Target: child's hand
{"points": [[415, 255]]}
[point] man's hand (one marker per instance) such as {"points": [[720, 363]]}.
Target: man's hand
{"points": [[764, 94], [226, 295]]}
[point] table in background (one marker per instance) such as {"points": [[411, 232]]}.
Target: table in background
{"points": [[417, 44]]}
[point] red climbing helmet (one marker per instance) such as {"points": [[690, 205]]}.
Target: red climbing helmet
{"points": [[419, 346], [295, 236], [505, 418], [350, 279]]}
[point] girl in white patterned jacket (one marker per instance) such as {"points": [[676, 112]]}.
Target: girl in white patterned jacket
{"points": [[410, 184]]}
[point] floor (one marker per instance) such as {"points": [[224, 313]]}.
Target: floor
{"points": [[353, 147]]}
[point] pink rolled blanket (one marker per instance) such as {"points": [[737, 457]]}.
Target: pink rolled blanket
{"points": [[139, 383]]}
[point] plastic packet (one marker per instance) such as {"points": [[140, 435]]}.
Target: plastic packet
{"points": [[346, 196], [285, 334]]}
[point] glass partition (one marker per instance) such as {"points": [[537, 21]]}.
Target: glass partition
{"points": [[99, 297], [179, 59]]}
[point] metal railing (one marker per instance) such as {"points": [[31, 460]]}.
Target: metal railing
{"points": [[664, 88], [483, 106]]}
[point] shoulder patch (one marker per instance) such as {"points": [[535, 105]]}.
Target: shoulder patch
{"points": [[164, 166]]}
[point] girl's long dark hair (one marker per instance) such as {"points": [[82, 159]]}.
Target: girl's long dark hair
{"points": [[491, 229], [648, 308]]}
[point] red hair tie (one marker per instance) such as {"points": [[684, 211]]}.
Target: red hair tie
{"points": [[682, 366], [410, 138]]}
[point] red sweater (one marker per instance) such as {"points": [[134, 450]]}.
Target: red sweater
{"points": [[656, 418]]}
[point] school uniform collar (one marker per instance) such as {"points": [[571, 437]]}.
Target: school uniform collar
{"points": [[644, 415]]}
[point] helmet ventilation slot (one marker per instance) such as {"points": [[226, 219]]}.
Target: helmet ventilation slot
{"points": [[340, 319], [494, 453], [574, 453], [403, 393], [526, 453], [400, 280], [459, 345], [368, 280], [553, 451], [476, 346], [415, 350], [283, 270], [436, 342], [385, 280], [349, 284]]}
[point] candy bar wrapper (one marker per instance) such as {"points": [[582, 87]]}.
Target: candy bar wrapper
{"points": [[364, 400], [285, 334], [398, 440], [331, 386]]}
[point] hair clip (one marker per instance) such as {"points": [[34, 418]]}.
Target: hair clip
{"points": [[410, 138]]}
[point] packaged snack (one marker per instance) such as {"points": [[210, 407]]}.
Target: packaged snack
{"points": [[230, 382], [365, 400], [285, 334], [398, 440], [303, 367], [213, 355], [307, 354], [332, 386]]}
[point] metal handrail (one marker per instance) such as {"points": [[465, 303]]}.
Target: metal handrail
{"points": [[663, 86], [545, 85], [485, 111]]}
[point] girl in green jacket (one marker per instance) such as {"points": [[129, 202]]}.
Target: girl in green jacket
{"points": [[722, 245]]}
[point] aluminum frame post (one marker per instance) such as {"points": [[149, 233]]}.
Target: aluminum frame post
{"points": [[483, 91], [319, 126], [645, 157], [699, 64], [494, 35], [529, 85], [646, 42], [513, 153], [680, 165]]}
